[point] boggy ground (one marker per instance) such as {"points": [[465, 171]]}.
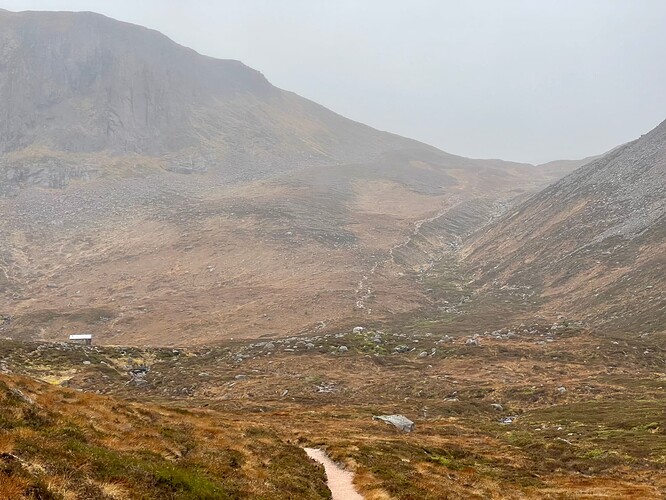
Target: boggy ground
{"points": [[527, 411]]}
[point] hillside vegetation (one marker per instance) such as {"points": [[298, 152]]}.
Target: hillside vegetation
{"points": [[531, 411], [592, 245], [59, 444]]}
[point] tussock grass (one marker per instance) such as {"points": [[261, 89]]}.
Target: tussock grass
{"points": [[60, 444]]}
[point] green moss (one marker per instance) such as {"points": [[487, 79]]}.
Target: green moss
{"points": [[189, 484], [596, 453], [445, 461]]}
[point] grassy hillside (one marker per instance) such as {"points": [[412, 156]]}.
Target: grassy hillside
{"points": [[59, 444]]}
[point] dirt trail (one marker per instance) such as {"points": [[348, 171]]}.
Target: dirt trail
{"points": [[339, 480]]}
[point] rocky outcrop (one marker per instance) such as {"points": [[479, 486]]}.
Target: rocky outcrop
{"points": [[81, 82], [41, 172], [74, 86]]}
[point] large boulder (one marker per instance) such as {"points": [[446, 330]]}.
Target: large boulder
{"points": [[399, 421]]}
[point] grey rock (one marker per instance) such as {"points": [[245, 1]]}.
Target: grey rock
{"points": [[82, 86], [325, 388], [401, 422], [17, 393]]}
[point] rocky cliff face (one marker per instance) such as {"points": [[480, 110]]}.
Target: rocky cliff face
{"points": [[594, 243], [81, 82]]}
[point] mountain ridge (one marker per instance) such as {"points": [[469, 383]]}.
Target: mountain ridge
{"points": [[159, 98], [593, 242]]}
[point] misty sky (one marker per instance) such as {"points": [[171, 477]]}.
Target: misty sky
{"points": [[520, 80]]}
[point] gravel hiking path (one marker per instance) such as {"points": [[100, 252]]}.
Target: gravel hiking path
{"points": [[339, 480]]}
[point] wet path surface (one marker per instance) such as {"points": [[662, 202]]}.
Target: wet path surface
{"points": [[339, 480]]}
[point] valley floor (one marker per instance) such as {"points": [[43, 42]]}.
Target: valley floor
{"points": [[527, 411]]}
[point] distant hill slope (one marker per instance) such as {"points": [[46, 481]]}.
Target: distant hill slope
{"points": [[79, 88], [593, 244], [292, 217]]}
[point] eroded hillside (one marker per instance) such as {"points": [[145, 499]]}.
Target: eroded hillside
{"points": [[182, 259]]}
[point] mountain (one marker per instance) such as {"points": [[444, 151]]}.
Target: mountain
{"points": [[223, 241], [592, 245], [154, 195], [76, 84], [80, 87], [81, 82]]}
